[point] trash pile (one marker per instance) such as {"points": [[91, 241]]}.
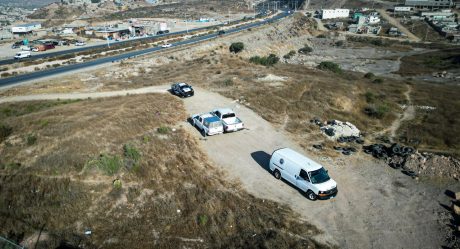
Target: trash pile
{"points": [[395, 155], [434, 165], [336, 130]]}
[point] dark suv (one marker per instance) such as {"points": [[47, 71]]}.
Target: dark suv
{"points": [[182, 90]]}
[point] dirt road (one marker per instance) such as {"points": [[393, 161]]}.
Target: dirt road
{"points": [[377, 207], [396, 23]]}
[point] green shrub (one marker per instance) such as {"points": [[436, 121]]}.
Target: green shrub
{"points": [[369, 76], [266, 60], [305, 50], [378, 81], [131, 152], [228, 82], [330, 66], [236, 47], [163, 129], [117, 184], [339, 43], [370, 97], [5, 131], [31, 139], [109, 164], [321, 36], [202, 219], [289, 55], [378, 111]]}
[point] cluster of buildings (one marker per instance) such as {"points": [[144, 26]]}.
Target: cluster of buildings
{"points": [[365, 23]]}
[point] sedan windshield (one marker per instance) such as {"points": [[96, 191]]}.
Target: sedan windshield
{"points": [[319, 176]]}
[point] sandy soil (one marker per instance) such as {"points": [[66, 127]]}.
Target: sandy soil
{"points": [[376, 207]]}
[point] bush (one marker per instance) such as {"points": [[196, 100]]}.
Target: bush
{"points": [[109, 164], [31, 139], [117, 184], [321, 36], [378, 81], [339, 43], [305, 50], [377, 111], [289, 55], [329, 66], [228, 82], [266, 60], [5, 131], [369, 76], [131, 152], [163, 130], [370, 97], [236, 47]]}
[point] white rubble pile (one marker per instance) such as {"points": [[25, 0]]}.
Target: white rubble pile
{"points": [[336, 129]]}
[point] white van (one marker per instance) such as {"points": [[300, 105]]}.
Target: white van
{"points": [[304, 173], [22, 54]]}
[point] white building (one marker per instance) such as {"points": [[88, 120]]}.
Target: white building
{"points": [[25, 28], [334, 13], [373, 19], [403, 8]]}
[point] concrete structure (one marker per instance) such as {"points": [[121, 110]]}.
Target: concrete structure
{"points": [[26, 28], [334, 13], [112, 33], [438, 15], [430, 4], [402, 9]]}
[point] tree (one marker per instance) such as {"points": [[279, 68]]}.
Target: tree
{"points": [[236, 47]]}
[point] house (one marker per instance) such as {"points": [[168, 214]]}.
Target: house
{"points": [[334, 13], [26, 28], [112, 33], [373, 19], [437, 15]]}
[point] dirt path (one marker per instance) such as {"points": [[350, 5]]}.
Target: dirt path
{"points": [[377, 207], [56, 96], [409, 113], [396, 23]]}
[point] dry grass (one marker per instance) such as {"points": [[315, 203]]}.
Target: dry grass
{"points": [[436, 61], [172, 197], [434, 130]]}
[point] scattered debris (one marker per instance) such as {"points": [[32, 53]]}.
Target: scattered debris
{"points": [[434, 165], [336, 129], [318, 146]]}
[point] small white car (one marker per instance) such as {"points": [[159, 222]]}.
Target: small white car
{"points": [[208, 123], [80, 43], [22, 55], [25, 48], [166, 45], [307, 175]]}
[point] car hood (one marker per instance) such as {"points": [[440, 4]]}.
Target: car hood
{"points": [[186, 89], [326, 185]]}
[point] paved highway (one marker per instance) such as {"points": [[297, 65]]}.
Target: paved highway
{"points": [[63, 69]]}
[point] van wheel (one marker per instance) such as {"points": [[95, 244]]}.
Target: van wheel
{"points": [[277, 174], [311, 196]]}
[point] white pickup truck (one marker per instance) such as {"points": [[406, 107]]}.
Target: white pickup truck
{"points": [[208, 123], [229, 119]]}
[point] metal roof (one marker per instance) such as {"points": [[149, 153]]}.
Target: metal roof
{"points": [[299, 159]]}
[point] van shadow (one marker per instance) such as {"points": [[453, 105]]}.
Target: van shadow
{"points": [[263, 159]]}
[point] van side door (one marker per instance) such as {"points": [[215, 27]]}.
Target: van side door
{"points": [[290, 171], [302, 180]]}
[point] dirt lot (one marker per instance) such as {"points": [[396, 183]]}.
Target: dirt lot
{"points": [[111, 165]]}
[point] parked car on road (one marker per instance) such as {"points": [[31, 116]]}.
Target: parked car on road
{"points": [[208, 123], [168, 45], [182, 90], [17, 44], [304, 173], [25, 48], [22, 55], [221, 32], [80, 43], [229, 119]]}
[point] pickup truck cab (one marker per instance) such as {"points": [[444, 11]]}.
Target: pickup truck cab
{"points": [[229, 119], [304, 173], [208, 123], [22, 54]]}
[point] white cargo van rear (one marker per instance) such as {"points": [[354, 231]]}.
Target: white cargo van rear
{"points": [[304, 173]]}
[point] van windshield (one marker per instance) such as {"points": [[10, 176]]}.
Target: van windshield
{"points": [[319, 176]]}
